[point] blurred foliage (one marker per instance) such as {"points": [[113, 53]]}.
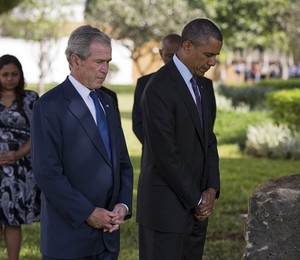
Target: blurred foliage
{"points": [[140, 21], [137, 23], [293, 28], [246, 24], [7, 5], [285, 107], [279, 83], [273, 141], [41, 22], [36, 20], [231, 127], [254, 96], [249, 23]]}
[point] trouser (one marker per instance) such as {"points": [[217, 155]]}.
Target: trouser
{"points": [[103, 256], [154, 245]]}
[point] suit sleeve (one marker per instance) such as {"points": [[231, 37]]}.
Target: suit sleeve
{"points": [[126, 177], [137, 122], [213, 177]]}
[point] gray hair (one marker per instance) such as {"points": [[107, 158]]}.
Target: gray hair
{"points": [[81, 39], [200, 30]]}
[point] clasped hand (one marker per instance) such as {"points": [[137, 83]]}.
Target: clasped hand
{"points": [[109, 221], [206, 207]]}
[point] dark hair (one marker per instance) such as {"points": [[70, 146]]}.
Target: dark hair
{"points": [[10, 59], [172, 37], [200, 30]]}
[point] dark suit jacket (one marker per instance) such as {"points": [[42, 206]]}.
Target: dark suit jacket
{"points": [[74, 173], [110, 93], [180, 158], [137, 122]]}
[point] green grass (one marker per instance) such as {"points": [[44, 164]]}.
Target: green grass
{"points": [[240, 175]]}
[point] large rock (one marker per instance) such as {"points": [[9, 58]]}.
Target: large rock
{"points": [[273, 226]]}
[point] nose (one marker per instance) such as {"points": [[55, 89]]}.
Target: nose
{"points": [[10, 76], [105, 67], [212, 61]]}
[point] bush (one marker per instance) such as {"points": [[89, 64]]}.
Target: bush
{"points": [[254, 96], [279, 84], [285, 107], [273, 141], [225, 104]]}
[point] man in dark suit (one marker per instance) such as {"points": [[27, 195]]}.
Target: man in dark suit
{"points": [[179, 178], [170, 45], [86, 185]]}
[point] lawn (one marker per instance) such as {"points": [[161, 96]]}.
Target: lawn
{"points": [[240, 175]]}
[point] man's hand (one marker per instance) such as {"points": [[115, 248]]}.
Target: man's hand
{"points": [[206, 207], [101, 218], [121, 211], [107, 220]]}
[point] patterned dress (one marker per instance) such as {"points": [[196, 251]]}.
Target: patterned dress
{"points": [[19, 195]]}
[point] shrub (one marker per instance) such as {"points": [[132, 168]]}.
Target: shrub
{"points": [[225, 104], [273, 141], [285, 107], [279, 84], [254, 96]]}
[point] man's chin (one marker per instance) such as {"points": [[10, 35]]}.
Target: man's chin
{"points": [[200, 73], [99, 83]]}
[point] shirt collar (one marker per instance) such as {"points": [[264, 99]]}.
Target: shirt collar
{"points": [[81, 89], [183, 70]]}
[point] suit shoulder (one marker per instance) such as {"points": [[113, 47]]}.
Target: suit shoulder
{"points": [[108, 95], [145, 78], [52, 93], [207, 80], [108, 91], [164, 73]]}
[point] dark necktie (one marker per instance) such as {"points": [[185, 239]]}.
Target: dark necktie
{"points": [[198, 98], [101, 122]]}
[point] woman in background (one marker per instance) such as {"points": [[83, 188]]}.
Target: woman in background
{"points": [[19, 195]]}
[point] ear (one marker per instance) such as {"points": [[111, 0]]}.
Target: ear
{"points": [[75, 60], [187, 46], [160, 52]]}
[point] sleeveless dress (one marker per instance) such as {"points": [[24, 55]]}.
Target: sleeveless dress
{"points": [[19, 194]]}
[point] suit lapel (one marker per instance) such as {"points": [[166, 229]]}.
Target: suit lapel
{"points": [[185, 94], [79, 109], [204, 100]]}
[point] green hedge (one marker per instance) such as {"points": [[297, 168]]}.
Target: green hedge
{"points": [[279, 83], [250, 95], [254, 96], [285, 107]]}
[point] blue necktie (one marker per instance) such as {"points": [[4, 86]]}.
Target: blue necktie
{"points": [[101, 122], [198, 98]]}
